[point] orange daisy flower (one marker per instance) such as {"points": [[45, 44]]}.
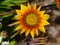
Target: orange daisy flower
{"points": [[30, 20], [58, 3]]}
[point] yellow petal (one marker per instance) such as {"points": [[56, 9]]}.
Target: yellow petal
{"points": [[18, 27], [18, 22], [39, 8], [42, 12], [23, 30], [36, 32], [23, 8], [42, 29], [28, 5], [46, 16], [27, 32], [19, 12], [34, 7], [17, 17], [32, 33], [43, 22]]}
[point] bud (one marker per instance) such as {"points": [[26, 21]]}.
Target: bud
{"points": [[4, 34]]}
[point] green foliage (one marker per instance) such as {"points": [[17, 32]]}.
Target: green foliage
{"points": [[6, 15], [5, 6], [12, 2], [13, 42], [0, 25]]}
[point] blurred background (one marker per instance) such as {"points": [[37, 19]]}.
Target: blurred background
{"points": [[9, 37]]}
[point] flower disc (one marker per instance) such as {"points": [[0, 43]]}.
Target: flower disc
{"points": [[31, 19]]}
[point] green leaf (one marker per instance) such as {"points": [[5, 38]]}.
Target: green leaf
{"points": [[0, 25], [18, 1], [8, 15], [10, 3], [13, 42]]}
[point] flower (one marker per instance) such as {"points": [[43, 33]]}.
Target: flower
{"points": [[30, 20], [4, 34], [58, 3]]}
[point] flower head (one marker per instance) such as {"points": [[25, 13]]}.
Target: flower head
{"points": [[58, 3], [30, 20]]}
